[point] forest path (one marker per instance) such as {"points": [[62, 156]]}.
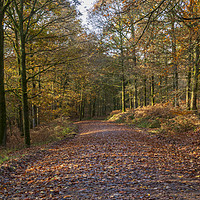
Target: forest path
{"points": [[105, 161]]}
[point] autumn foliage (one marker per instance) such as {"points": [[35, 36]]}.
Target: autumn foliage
{"points": [[164, 118], [45, 133]]}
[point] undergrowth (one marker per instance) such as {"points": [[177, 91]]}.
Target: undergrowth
{"points": [[160, 118], [119, 117], [44, 134]]}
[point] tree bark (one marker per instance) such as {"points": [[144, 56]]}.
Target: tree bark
{"points": [[20, 120], [152, 91], [81, 107], [135, 94], [123, 95], [26, 127], [130, 98], [174, 61], [189, 75], [145, 91], [17, 50], [195, 77], [2, 87], [94, 107], [188, 88], [114, 103], [34, 107], [123, 100], [160, 89]]}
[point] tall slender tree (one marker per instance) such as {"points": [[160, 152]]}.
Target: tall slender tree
{"points": [[3, 6], [30, 20]]}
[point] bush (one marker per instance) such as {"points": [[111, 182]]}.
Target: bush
{"points": [[121, 117], [181, 124], [165, 111], [146, 122], [155, 124], [114, 112], [163, 117]]}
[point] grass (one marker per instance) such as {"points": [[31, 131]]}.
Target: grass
{"points": [[8, 154], [3, 158]]}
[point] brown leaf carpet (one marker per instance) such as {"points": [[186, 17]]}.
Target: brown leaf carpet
{"points": [[105, 161]]}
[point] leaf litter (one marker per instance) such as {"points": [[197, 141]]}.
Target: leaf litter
{"points": [[105, 161]]}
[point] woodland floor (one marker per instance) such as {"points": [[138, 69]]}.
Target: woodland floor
{"points": [[105, 161]]}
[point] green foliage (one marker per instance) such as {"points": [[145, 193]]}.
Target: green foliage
{"points": [[146, 122], [65, 132], [141, 123], [6, 154], [114, 112], [121, 117], [3, 158], [155, 124]]}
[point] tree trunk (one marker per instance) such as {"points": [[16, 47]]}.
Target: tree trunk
{"points": [[160, 89], [34, 107], [166, 88], [90, 109], [20, 120], [26, 127], [34, 115], [195, 78], [135, 94], [189, 76], [114, 103], [152, 91], [81, 107], [131, 99], [188, 88], [145, 91], [2, 89], [123, 95], [38, 108], [17, 51], [134, 57], [174, 58], [123, 106], [94, 108]]}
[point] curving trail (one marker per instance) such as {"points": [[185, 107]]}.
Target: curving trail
{"points": [[105, 161]]}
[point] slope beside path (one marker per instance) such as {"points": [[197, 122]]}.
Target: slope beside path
{"points": [[105, 161]]}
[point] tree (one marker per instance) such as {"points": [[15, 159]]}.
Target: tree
{"points": [[116, 34], [195, 75], [3, 6], [31, 19]]}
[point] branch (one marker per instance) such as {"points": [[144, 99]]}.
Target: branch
{"points": [[192, 18], [144, 30], [30, 16], [150, 14], [6, 6], [46, 25]]}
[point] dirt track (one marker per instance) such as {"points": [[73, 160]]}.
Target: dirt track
{"points": [[105, 161]]}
